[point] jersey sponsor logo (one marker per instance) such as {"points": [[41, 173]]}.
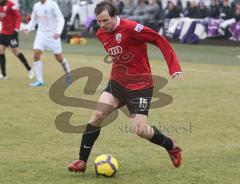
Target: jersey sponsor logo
{"points": [[114, 50], [139, 27], [118, 37]]}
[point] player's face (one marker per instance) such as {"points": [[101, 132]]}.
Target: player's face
{"points": [[106, 22]]}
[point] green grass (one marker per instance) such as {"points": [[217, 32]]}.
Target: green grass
{"points": [[32, 150]]}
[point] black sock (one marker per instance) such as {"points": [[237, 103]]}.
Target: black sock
{"points": [[3, 64], [24, 61], [160, 139], [89, 137]]}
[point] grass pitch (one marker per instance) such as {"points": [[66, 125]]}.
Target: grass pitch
{"points": [[204, 119]]}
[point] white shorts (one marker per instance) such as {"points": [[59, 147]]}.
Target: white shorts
{"points": [[45, 41]]}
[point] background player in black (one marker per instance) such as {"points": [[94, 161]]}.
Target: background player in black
{"points": [[10, 20]]}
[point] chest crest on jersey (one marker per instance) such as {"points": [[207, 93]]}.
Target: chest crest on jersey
{"points": [[118, 37]]}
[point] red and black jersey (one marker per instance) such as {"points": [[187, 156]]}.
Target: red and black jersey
{"points": [[127, 47], [10, 18]]}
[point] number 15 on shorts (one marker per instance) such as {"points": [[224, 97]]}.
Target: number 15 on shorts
{"points": [[143, 103]]}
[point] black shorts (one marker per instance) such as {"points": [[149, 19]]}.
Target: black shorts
{"points": [[137, 101], [9, 40]]}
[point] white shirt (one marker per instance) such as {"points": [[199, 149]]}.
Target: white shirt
{"points": [[48, 17]]}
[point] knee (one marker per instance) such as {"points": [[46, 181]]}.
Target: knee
{"points": [[139, 129], [16, 52], [37, 56], [99, 116], [59, 58], [2, 50]]}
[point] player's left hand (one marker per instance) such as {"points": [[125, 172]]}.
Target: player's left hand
{"points": [[178, 76], [56, 36], [16, 30]]}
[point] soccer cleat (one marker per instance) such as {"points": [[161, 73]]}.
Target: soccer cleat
{"points": [[3, 77], [175, 156], [77, 166], [68, 79], [30, 74], [36, 84]]}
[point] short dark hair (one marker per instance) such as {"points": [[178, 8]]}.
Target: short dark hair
{"points": [[3, 2], [105, 5]]}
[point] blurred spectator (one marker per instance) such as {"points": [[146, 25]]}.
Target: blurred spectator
{"points": [[179, 5], [66, 8], [226, 11], [128, 8], [202, 11], [120, 5], [151, 10], [233, 5], [226, 14], [237, 12], [159, 2], [220, 3], [214, 9], [235, 27], [186, 9], [144, 13], [192, 11], [160, 14], [154, 14], [172, 11], [137, 12]]}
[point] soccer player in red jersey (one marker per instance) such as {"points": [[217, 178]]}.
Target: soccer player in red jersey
{"points": [[130, 81], [10, 20]]}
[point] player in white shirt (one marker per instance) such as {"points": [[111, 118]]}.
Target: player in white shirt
{"points": [[47, 15]]}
